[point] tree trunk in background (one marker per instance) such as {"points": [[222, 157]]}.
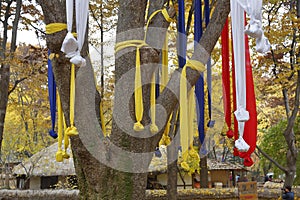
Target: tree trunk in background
{"points": [[5, 67], [172, 156], [289, 135], [203, 173], [104, 169]]}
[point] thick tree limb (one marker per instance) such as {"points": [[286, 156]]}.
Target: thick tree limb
{"points": [[288, 133], [271, 159]]}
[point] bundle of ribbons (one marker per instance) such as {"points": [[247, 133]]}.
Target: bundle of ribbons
{"points": [[244, 103], [71, 47]]}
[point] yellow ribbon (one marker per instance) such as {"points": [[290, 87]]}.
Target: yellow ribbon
{"points": [[184, 103], [164, 12], [66, 142], [153, 126], [190, 161], [166, 140], [102, 120], [138, 93], [164, 71], [55, 27], [191, 117], [72, 130], [59, 153]]}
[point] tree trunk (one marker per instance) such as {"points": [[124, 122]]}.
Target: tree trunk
{"points": [[204, 182], [116, 167], [5, 68], [172, 171], [290, 139]]}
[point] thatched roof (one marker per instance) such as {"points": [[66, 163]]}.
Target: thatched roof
{"points": [[213, 164], [43, 163]]}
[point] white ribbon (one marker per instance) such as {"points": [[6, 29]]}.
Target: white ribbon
{"points": [[254, 28], [72, 47], [241, 114]]}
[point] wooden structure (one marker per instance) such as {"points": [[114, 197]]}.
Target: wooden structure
{"points": [[41, 171], [221, 174]]}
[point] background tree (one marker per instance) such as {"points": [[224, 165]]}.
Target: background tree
{"points": [[11, 13], [9, 9], [28, 116], [280, 73], [273, 144], [96, 179]]}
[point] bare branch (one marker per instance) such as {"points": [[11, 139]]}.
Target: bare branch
{"points": [[271, 159], [16, 84]]}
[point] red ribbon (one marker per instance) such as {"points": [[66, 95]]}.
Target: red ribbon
{"points": [[250, 132], [226, 78]]}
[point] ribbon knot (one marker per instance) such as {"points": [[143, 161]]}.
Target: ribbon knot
{"points": [[53, 134], [241, 114], [70, 48], [65, 155], [59, 155], [241, 145], [71, 131]]}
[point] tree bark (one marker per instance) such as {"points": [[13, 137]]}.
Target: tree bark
{"points": [[290, 139], [116, 167]]}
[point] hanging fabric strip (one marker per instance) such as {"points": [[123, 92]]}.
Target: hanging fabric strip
{"points": [[138, 93], [254, 28], [52, 97], [66, 141], [235, 123], [191, 117], [185, 101], [153, 126], [197, 22], [241, 114], [102, 119], [71, 46], [250, 132], [59, 153], [209, 78], [181, 36], [69, 13], [226, 79], [72, 130], [199, 87], [82, 7], [164, 64], [138, 126], [206, 12]]}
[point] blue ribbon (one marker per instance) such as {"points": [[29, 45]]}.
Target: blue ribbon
{"points": [[199, 87], [181, 39], [52, 97], [209, 79]]}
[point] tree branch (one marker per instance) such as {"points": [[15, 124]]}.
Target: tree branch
{"points": [[15, 84], [271, 159], [288, 133]]}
